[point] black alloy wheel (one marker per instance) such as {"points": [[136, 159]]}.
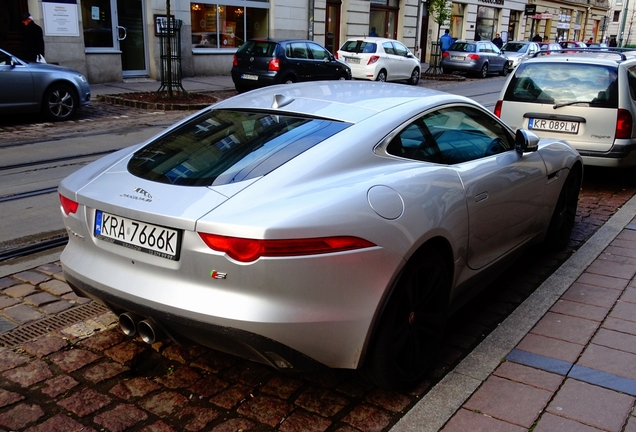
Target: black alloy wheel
{"points": [[562, 221]]}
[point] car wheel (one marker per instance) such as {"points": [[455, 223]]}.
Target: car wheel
{"points": [[447, 71], [289, 80], [343, 77], [59, 102], [562, 220], [415, 76], [240, 88], [412, 324], [504, 71], [483, 73], [381, 76]]}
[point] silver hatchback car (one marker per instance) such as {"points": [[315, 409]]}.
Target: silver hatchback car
{"points": [[477, 58], [587, 97], [519, 51]]}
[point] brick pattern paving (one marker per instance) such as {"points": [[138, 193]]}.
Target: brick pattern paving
{"points": [[576, 369]]}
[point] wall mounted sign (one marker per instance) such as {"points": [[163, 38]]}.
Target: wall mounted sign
{"points": [[60, 17]]}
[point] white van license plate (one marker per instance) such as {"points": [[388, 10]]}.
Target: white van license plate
{"points": [[554, 125]]}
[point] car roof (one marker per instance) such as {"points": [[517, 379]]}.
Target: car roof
{"points": [[279, 40], [372, 39], [583, 55], [348, 101]]}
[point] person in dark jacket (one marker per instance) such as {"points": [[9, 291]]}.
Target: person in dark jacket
{"points": [[32, 39], [498, 41], [537, 38]]}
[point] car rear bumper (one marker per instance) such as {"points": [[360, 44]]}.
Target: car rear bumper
{"points": [[620, 156]]}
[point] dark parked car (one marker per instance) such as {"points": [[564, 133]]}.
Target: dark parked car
{"points": [[263, 62], [35, 87], [478, 58]]}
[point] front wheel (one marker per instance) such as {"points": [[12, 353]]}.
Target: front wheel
{"points": [[289, 80], [59, 102], [412, 325], [381, 76], [483, 73], [415, 76], [504, 71], [562, 221]]}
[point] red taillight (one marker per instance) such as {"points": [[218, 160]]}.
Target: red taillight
{"points": [[68, 205], [473, 56], [235, 61], [373, 59], [498, 108], [274, 65], [624, 124], [445, 54], [247, 250]]}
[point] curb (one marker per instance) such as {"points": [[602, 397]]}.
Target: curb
{"points": [[121, 99]]}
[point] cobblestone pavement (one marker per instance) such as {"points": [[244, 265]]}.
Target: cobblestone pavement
{"points": [[87, 375], [66, 367]]}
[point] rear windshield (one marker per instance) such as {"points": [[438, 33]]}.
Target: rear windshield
{"points": [[463, 46], [258, 48], [359, 46], [564, 83], [515, 47], [222, 146]]}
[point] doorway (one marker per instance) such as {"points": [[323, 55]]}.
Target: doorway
{"points": [[332, 38], [131, 37]]}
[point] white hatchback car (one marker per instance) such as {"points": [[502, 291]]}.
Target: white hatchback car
{"points": [[587, 98], [380, 59]]}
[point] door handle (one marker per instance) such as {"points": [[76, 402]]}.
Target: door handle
{"points": [[119, 30]]}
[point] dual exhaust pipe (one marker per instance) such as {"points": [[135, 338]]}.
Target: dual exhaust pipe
{"points": [[148, 330]]}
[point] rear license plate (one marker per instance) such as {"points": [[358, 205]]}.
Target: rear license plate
{"points": [[140, 236], [554, 125], [352, 60], [250, 77], [461, 58]]}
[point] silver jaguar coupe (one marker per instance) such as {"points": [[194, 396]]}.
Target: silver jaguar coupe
{"points": [[335, 223]]}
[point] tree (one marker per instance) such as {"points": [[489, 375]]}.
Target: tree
{"points": [[440, 10]]}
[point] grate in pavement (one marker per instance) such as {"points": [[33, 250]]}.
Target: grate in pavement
{"points": [[28, 332]]}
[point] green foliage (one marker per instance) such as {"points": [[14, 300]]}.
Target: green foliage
{"points": [[440, 10]]}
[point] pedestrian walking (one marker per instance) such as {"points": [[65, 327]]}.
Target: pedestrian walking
{"points": [[498, 41], [537, 38], [32, 39], [446, 40]]}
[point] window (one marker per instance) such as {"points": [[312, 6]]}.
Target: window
{"points": [[383, 17], [451, 136], [617, 16], [97, 24], [222, 26]]}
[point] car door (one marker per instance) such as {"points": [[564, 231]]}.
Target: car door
{"points": [[402, 52], [391, 61], [324, 66], [497, 58], [503, 189], [17, 85], [298, 55]]}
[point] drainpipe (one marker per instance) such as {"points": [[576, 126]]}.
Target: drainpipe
{"points": [[311, 19]]}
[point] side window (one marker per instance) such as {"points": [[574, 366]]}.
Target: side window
{"points": [[463, 134], [388, 48], [318, 52], [400, 49], [298, 50], [5, 59], [631, 80], [415, 142]]}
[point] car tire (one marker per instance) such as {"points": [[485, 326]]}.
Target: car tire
{"points": [[412, 325], [240, 89], [483, 72], [504, 71], [290, 79], [381, 76], [59, 102], [562, 221], [415, 76], [447, 71], [343, 77]]}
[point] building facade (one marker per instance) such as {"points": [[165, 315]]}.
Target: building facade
{"points": [[110, 40]]}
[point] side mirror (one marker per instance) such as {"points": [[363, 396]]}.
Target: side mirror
{"points": [[526, 141]]}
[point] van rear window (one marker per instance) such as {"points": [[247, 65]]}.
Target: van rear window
{"points": [[564, 84]]}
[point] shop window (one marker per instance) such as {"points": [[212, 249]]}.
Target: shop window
{"points": [[219, 26], [383, 18], [97, 24]]}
